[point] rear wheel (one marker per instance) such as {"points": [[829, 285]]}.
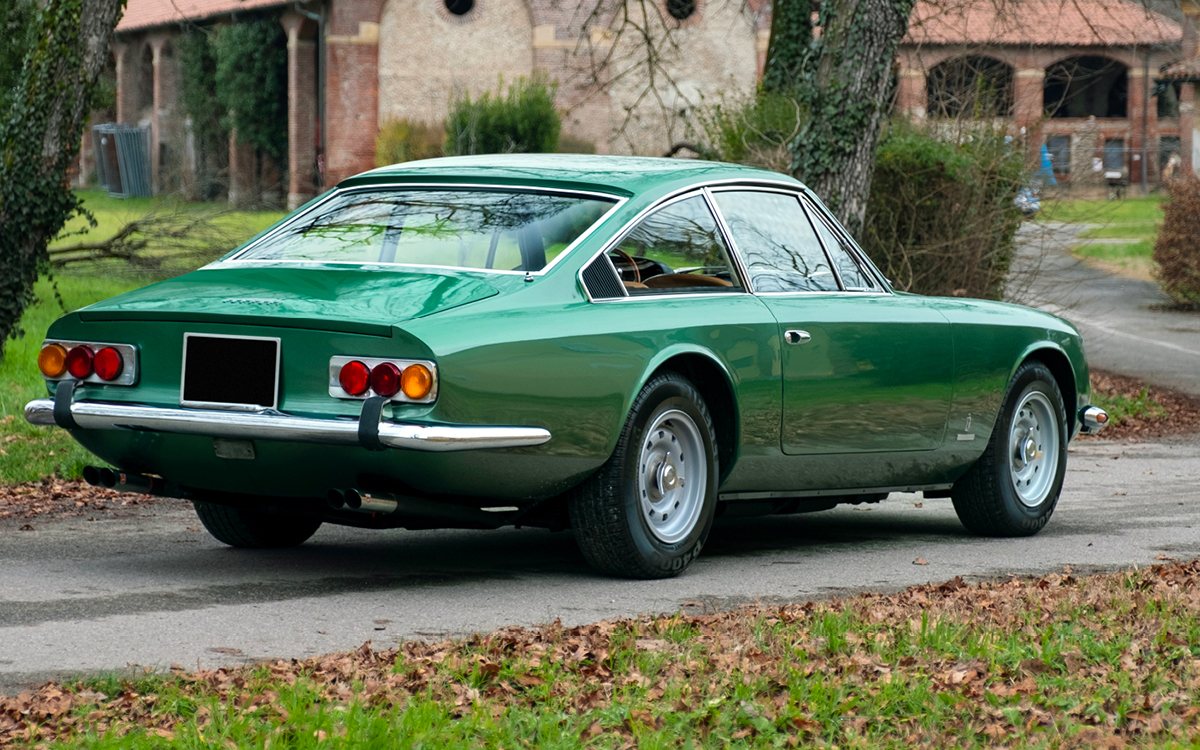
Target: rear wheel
{"points": [[647, 512], [1014, 486], [254, 529]]}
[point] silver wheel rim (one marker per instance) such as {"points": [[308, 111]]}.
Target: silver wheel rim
{"points": [[1033, 448], [672, 476]]}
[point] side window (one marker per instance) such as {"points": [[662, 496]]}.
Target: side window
{"points": [[675, 249], [854, 276], [777, 242]]}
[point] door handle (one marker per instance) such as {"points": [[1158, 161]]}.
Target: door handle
{"points": [[797, 337]]}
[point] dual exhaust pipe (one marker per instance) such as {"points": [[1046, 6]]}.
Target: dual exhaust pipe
{"points": [[102, 476], [362, 502]]}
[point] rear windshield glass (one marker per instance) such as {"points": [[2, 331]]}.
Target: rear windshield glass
{"points": [[483, 229]]}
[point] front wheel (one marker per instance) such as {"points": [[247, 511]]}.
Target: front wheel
{"points": [[1012, 489], [255, 529], [647, 512]]}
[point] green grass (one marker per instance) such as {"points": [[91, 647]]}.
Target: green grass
{"points": [[1135, 219], [1049, 662], [1121, 407]]}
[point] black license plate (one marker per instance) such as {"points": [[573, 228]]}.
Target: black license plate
{"points": [[230, 372]]}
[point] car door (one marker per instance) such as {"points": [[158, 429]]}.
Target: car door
{"points": [[864, 370]]}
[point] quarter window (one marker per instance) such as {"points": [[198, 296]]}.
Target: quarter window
{"points": [[676, 249], [852, 273], [777, 242]]}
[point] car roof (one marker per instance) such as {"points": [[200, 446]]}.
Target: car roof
{"points": [[619, 175]]}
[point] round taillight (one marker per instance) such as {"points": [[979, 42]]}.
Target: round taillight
{"points": [[108, 363], [355, 378], [52, 360], [385, 379], [79, 362], [416, 382]]}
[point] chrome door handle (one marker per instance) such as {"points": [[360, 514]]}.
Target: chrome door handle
{"points": [[797, 337]]}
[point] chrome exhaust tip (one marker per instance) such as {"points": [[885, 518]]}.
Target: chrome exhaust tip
{"points": [[91, 475], [365, 502], [336, 499]]}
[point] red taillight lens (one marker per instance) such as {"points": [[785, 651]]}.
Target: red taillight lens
{"points": [[385, 379], [79, 362], [355, 378], [108, 363]]}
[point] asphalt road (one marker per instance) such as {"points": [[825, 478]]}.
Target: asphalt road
{"points": [[1123, 326], [82, 596]]}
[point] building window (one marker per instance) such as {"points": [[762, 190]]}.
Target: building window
{"points": [[1168, 93], [1170, 148], [681, 10], [1059, 147], [1114, 153], [459, 8]]}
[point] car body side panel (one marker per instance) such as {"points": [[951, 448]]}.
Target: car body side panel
{"points": [[991, 340]]}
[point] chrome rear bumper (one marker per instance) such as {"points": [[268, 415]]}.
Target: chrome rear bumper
{"points": [[270, 425]]}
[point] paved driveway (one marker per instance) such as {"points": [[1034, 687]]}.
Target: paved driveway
{"points": [[85, 596]]}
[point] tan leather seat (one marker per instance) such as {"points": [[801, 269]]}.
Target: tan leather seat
{"points": [[683, 281], [634, 285]]}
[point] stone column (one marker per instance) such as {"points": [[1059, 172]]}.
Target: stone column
{"points": [[1189, 133], [302, 107], [1028, 105], [126, 84], [913, 97], [164, 82]]}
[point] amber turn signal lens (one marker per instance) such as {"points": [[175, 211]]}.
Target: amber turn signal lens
{"points": [[355, 378], [385, 379], [416, 382], [79, 362], [108, 363], [52, 360]]}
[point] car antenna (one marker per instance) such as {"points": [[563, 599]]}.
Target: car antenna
{"points": [[528, 276]]}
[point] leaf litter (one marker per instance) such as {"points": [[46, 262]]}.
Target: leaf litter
{"points": [[1110, 660]]}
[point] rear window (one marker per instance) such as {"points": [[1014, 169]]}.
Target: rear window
{"points": [[480, 229]]}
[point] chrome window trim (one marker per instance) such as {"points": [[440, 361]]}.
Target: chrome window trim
{"points": [[221, 405], [618, 201], [691, 191], [856, 249], [129, 363], [337, 361]]}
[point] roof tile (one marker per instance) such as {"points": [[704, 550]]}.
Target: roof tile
{"points": [[1106, 23]]}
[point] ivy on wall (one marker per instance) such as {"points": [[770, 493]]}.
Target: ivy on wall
{"points": [[236, 77], [198, 61]]}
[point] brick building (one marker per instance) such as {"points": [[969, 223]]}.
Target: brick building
{"points": [[1183, 78], [355, 64]]}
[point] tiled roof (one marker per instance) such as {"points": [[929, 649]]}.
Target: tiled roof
{"points": [[1188, 70], [1106, 23], [140, 14]]}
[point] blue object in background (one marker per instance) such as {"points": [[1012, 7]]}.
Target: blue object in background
{"points": [[1046, 173]]}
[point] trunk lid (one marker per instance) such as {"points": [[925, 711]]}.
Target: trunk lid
{"points": [[333, 298]]}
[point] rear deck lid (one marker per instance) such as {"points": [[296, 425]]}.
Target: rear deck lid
{"points": [[367, 300]]}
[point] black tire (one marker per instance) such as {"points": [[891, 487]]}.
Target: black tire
{"points": [[611, 529], [254, 529], [987, 498]]}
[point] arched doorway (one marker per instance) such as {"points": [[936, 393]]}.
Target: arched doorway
{"points": [[972, 86], [1088, 86]]}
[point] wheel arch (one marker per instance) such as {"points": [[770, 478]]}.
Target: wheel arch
{"points": [[1059, 364], [712, 379]]}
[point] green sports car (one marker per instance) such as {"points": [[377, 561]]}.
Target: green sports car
{"points": [[626, 347]]}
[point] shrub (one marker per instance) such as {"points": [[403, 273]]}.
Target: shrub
{"points": [[404, 140], [521, 119], [941, 215], [251, 83], [1177, 249], [755, 131], [198, 63], [569, 144]]}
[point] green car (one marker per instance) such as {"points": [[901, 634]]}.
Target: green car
{"points": [[626, 347]]}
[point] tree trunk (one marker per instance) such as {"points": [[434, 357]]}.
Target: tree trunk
{"points": [[844, 81], [40, 135]]}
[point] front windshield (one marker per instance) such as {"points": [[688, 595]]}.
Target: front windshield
{"points": [[483, 229]]}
